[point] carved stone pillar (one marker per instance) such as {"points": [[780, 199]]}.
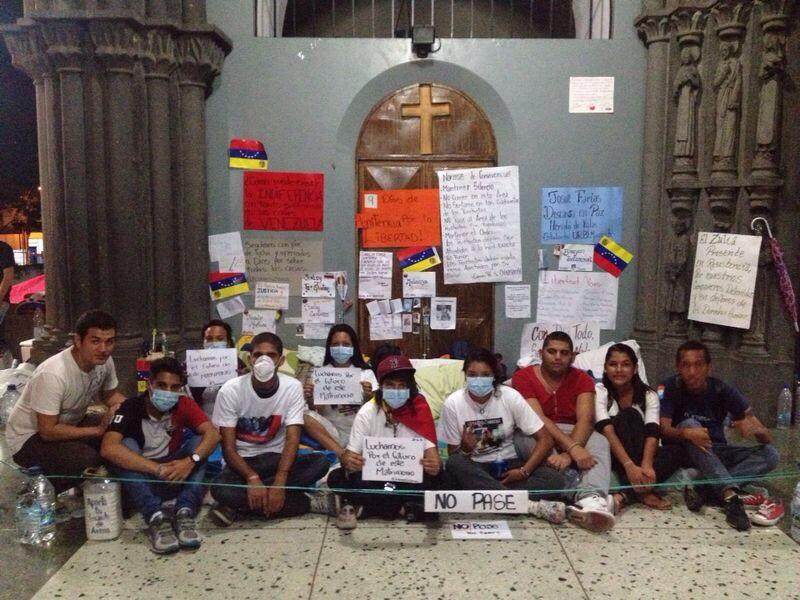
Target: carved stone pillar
{"points": [[124, 219]]}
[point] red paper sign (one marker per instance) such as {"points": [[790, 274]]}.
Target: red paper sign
{"points": [[399, 218], [283, 201]]}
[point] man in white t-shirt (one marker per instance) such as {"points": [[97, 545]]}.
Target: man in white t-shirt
{"points": [[48, 427], [260, 416]]}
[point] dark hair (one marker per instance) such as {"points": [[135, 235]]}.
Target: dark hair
{"points": [[219, 323], [406, 376], [692, 345], [640, 388], [94, 318], [358, 358], [379, 354], [267, 337], [558, 336], [167, 365], [485, 356]]}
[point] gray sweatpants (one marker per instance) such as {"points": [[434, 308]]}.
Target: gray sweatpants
{"points": [[592, 481]]}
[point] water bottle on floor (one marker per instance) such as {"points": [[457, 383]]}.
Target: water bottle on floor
{"points": [[36, 509], [38, 323], [795, 531], [784, 408], [7, 402]]}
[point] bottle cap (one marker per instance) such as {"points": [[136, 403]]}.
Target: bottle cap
{"points": [[11, 386]]}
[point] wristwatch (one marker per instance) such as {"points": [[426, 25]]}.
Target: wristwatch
{"points": [[195, 458]]}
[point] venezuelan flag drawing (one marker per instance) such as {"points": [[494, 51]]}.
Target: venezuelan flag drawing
{"points": [[225, 285], [610, 256], [418, 259], [247, 154]]}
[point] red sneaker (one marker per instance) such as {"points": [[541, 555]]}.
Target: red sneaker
{"points": [[752, 501], [769, 513]]}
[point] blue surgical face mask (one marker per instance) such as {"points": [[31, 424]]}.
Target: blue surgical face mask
{"points": [[341, 354], [396, 398], [215, 344], [164, 400], [480, 386]]}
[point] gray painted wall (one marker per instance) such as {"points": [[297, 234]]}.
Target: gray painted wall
{"points": [[306, 99]]}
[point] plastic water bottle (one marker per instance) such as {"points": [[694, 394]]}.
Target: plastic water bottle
{"points": [[7, 402], [38, 323], [36, 509], [784, 408], [795, 530], [102, 505]]}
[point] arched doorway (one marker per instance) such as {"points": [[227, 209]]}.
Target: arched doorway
{"points": [[405, 139]]}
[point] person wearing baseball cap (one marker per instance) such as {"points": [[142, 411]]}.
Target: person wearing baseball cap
{"points": [[398, 410]]}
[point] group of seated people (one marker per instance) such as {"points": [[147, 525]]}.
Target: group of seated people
{"points": [[554, 432]]}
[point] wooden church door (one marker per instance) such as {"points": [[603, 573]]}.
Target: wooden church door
{"points": [[407, 137]]}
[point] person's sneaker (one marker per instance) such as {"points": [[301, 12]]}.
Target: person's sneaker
{"points": [[769, 513], [346, 519], [322, 502], [162, 538], [186, 530], [752, 501], [415, 513], [735, 515], [222, 515], [693, 498], [550, 510], [591, 513]]}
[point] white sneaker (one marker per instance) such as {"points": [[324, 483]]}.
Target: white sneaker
{"points": [[549, 510], [591, 513]]}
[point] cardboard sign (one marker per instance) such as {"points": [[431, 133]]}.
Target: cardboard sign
{"points": [[480, 530], [337, 386], [283, 201], [399, 218], [214, 366], [393, 459], [475, 501]]}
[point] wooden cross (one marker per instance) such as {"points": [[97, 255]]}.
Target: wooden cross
{"points": [[425, 111]]}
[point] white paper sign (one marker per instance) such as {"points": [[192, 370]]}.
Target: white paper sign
{"points": [[255, 321], [576, 257], [585, 337], [231, 263], [477, 501], [574, 297], [591, 94], [419, 285], [316, 331], [225, 245], [318, 285], [480, 530], [272, 295], [229, 308], [518, 301], [443, 313], [281, 259], [318, 310], [397, 305], [385, 327], [480, 225], [337, 386], [214, 366], [724, 279], [393, 459], [375, 264], [374, 288]]}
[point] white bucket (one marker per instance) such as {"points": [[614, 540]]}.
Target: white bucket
{"points": [[102, 502]]}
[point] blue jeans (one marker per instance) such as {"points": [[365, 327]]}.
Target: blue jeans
{"points": [[147, 496], [725, 462]]}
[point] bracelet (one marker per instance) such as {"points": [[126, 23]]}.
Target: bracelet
{"points": [[252, 477], [158, 471], [571, 447], [626, 463]]}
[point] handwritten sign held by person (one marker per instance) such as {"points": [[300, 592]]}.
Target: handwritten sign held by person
{"points": [[333, 385], [393, 459], [214, 366]]}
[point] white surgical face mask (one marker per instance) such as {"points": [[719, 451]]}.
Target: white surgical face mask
{"points": [[264, 369], [208, 344]]}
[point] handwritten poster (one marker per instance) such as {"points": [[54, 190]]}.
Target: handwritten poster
{"points": [[443, 312], [272, 295], [399, 218], [569, 297], [318, 285], [573, 215], [228, 308], [283, 201], [518, 301], [585, 336], [318, 310], [214, 366], [225, 245], [480, 225], [255, 321], [385, 327], [393, 459], [591, 95], [374, 275], [337, 386], [724, 280], [316, 331], [419, 285], [576, 257], [282, 259]]}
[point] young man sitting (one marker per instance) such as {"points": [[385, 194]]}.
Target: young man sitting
{"points": [[143, 442]]}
